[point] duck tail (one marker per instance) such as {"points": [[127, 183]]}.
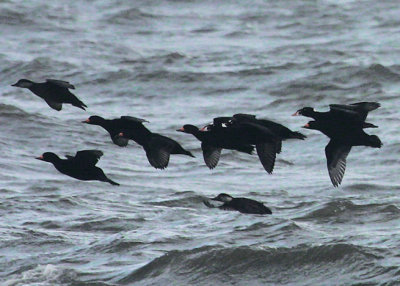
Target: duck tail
{"points": [[112, 182], [189, 154], [80, 104], [297, 135]]}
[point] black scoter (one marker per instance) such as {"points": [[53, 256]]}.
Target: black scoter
{"points": [[158, 148], [118, 125], [82, 166], [343, 138]]}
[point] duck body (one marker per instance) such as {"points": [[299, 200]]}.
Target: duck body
{"points": [[158, 147], [81, 166], [213, 141], [354, 114], [351, 135], [243, 205], [342, 139], [54, 92], [266, 135], [118, 125]]}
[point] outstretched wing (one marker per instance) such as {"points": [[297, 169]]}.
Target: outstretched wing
{"points": [[336, 155], [244, 116], [53, 104], [267, 153], [158, 151], [60, 83], [133, 119], [211, 155], [88, 157], [358, 110]]}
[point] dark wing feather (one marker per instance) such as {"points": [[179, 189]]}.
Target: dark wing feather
{"points": [[278, 146], [158, 158], [53, 104], [211, 155], [245, 117], [88, 157], [57, 91], [336, 155], [133, 119], [358, 110], [158, 151], [267, 154], [120, 141], [60, 83]]}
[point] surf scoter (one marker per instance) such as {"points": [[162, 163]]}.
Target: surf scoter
{"points": [[212, 143], [343, 138], [355, 113], [242, 205], [54, 92], [82, 166], [118, 125], [266, 135], [158, 148]]}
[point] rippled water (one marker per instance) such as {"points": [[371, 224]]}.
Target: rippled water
{"points": [[178, 62]]}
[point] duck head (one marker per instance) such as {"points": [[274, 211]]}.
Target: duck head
{"points": [[223, 198], [305, 111], [48, 157], [94, 120], [23, 83], [188, 128]]}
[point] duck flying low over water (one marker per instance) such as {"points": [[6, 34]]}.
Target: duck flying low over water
{"points": [[212, 143], [118, 125], [158, 148], [54, 92], [266, 135], [342, 139], [243, 205], [355, 113], [82, 166]]}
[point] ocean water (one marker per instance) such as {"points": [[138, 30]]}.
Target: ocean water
{"points": [[177, 62]]}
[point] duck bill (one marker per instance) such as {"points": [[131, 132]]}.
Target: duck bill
{"points": [[297, 113], [15, 84], [86, 121], [40, 158], [306, 126], [181, 129], [121, 134]]}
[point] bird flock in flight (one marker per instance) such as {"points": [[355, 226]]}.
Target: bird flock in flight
{"points": [[343, 124]]}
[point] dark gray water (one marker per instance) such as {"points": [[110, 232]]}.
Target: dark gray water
{"points": [[178, 62]]}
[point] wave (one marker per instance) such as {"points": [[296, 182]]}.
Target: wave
{"points": [[345, 210], [10, 17], [49, 274], [215, 265], [36, 69], [377, 72], [131, 15]]}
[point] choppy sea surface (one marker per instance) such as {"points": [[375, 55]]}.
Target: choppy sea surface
{"points": [[176, 62]]}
